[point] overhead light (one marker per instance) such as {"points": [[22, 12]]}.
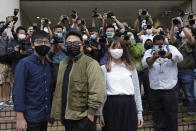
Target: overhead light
{"points": [[38, 17]]}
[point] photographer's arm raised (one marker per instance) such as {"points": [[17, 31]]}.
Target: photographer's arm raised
{"points": [[149, 18], [141, 32], [188, 35], [119, 24], [172, 36]]}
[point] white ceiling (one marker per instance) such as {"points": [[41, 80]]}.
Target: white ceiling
{"points": [[124, 10]]}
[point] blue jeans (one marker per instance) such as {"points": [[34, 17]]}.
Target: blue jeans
{"points": [[195, 83], [186, 80]]}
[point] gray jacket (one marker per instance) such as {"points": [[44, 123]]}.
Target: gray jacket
{"points": [[137, 95]]}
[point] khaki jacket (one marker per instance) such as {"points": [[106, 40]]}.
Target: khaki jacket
{"points": [[86, 89]]}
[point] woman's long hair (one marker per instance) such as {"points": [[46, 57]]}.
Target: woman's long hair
{"points": [[116, 43]]}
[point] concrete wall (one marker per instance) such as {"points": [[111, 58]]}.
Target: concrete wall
{"points": [[187, 6], [7, 9]]}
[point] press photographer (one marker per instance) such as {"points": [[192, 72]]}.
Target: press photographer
{"points": [[57, 51], [19, 48], [183, 39]]}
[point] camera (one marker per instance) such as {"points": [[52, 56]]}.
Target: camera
{"points": [[57, 39], [192, 22], [15, 18], [95, 13], [149, 26], [74, 14], [83, 21], [176, 21], [23, 45], [144, 11], [110, 14], [161, 52], [34, 26], [64, 19], [46, 20], [190, 16]]}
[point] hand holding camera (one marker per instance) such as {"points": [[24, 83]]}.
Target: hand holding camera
{"points": [[155, 55]]}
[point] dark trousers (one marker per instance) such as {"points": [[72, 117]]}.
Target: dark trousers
{"points": [[144, 79], [165, 109], [42, 126], [120, 113], [80, 125]]}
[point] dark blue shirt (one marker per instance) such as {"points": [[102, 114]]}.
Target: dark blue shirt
{"points": [[32, 89]]}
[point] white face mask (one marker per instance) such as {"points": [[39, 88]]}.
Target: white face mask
{"points": [[158, 47], [149, 31], [21, 36], [46, 30], [5, 32], [116, 53], [85, 37], [182, 35]]}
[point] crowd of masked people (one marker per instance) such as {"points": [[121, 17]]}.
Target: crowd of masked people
{"points": [[80, 75]]}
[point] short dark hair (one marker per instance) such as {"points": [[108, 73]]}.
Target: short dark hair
{"points": [[75, 33], [109, 26], [21, 28], [160, 26], [158, 37], [40, 34], [58, 26]]}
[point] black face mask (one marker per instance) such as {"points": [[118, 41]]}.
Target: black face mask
{"points": [[42, 50], [73, 50], [147, 46]]}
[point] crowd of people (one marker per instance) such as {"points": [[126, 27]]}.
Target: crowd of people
{"points": [[80, 75]]}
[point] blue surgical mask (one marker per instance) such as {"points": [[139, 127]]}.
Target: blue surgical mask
{"points": [[132, 39], [116, 28], [64, 31], [110, 35], [93, 36], [156, 47], [60, 35]]}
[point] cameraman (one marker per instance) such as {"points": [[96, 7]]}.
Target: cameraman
{"points": [[95, 45], [6, 75], [146, 33], [45, 26], [146, 16], [4, 26], [19, 48], [57, 51], [185, 43], [108, 37], [162, 64]]}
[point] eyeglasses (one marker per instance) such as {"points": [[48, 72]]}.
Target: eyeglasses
{"points": [[42, 42], [74, 43]]}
